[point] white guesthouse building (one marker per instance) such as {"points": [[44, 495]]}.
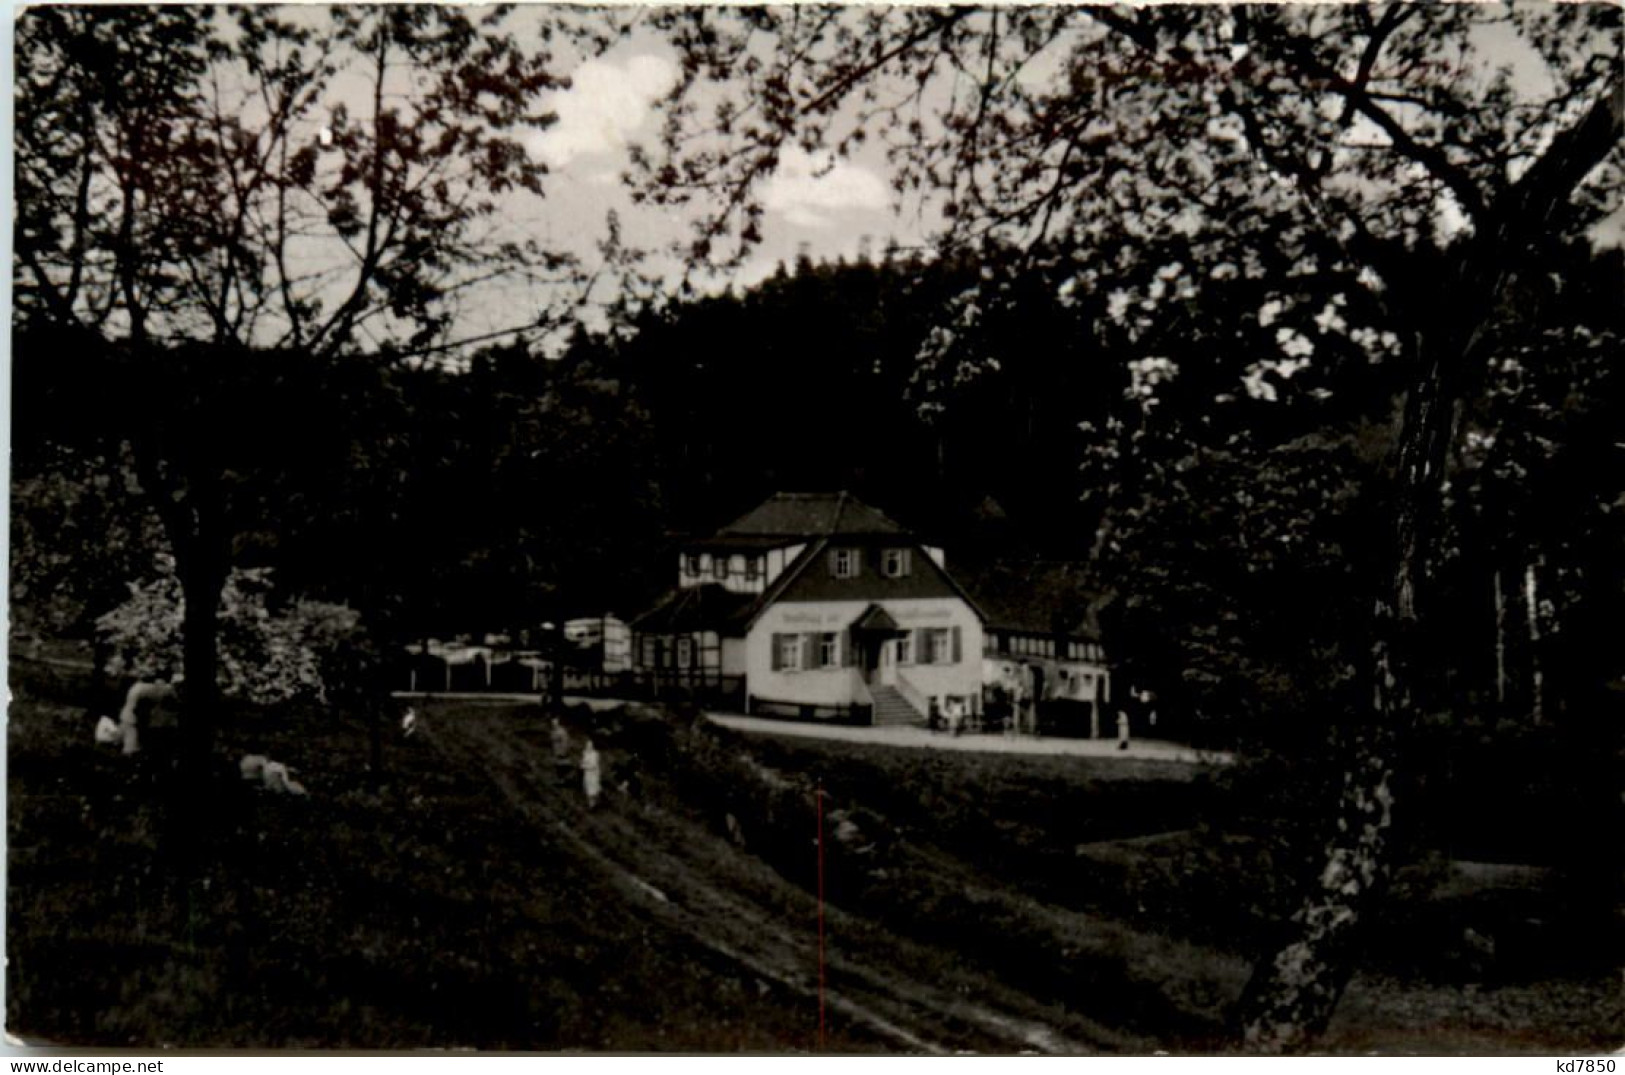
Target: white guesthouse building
{"points": [[817, 606]]}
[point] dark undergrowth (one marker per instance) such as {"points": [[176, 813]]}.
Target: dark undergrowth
{"points": [[1139, 891], [406, 909], [410, 913]]}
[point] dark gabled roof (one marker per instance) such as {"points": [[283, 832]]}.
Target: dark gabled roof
{"points": [[784, 519], [1039, 596], [810, 515], [739, 543], [814, 553], [874, 618], [711, 607]]}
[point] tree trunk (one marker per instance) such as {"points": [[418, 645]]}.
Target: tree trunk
{"points": [[1531, 600], [1294, 991], [203, 577], [200, 538], [1500, 641]]}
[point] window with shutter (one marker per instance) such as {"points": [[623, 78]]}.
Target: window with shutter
{"points": [[776, 655], [956, 650]]}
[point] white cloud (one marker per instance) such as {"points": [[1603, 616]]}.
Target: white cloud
{"points": [[608, 102], [806, 188]]}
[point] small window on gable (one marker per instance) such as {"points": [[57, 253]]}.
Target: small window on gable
{"points": [[894, 563], [843, 563]]}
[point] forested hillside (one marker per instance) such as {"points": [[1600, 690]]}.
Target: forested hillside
{"points": [[1233, 522]]}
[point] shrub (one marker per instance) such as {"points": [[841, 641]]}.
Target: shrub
{"points": [[267, 654]]}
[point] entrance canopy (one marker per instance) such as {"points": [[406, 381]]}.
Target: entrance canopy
{"points": [[877, 622]]}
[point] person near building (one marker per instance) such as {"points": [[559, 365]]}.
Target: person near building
{"points": [[592, 774]]}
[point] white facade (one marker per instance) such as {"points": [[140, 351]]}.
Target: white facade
{"points": [[733, 657], [812, 682], [1075, 680], [610, 632]]}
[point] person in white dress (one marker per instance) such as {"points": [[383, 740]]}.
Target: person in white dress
{"points": [[143, 697], [592, 776]]}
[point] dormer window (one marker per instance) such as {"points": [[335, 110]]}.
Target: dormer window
{"points": [[843, 563], [894, 563]]}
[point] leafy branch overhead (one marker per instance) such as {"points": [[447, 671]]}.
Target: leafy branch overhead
{"points": [[278, 178], [1051, 126], [1368, 182]]}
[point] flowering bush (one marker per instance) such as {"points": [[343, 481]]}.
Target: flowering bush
{"points": [[294, 652]]}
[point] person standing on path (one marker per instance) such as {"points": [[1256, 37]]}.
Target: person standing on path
{"points": [[1122, 729], [592, 775]]}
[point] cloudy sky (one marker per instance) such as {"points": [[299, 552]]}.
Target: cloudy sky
{"points": [[828, 206]]}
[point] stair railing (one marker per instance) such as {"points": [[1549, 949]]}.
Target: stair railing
{"points": [[860, 689]]}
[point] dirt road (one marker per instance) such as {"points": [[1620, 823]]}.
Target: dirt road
{"points": [[690, 881]]}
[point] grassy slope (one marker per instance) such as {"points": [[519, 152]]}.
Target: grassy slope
{"points": [[414, 915], [1150, 845], [427, 912]]}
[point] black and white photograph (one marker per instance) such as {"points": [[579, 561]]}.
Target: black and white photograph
{"points": [[863, 530]]}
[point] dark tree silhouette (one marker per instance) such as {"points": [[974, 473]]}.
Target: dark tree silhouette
{"points": [[1274, 143], [192, 187]]}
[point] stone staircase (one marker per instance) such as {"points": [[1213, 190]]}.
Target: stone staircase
{"points": [[891, 708]]}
